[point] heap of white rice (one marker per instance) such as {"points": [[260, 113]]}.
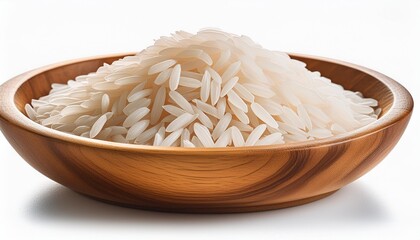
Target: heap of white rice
{"points": [[212, 89]]}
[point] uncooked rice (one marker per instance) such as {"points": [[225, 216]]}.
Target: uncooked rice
{"points": [[212, 89]]}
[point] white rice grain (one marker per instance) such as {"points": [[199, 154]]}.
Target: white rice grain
{"points": [[244, 93], [262, 114], [203, 118], [223, 59], [237, 138], [147, 135], [163, 76], [241, 115], [237, 101], [105, 103], [175, 111], [205, 86], [131, 107], [181, 122], [135, 130], [185, 135], [196, 142], [207, 108], [80, 129], [174, 78], [224, 139], [221, 126], [231, 71], [162, 66], [255, 135], [187, 143], [189, 82], [30, 111], [171, 138], [98, 125], [214, 75], [203, 134], [160, 135], [274, 138], [259, 90], [215, 88], [228, 86], [221, 107], [181, 101], [157, 105], [135, 117]]}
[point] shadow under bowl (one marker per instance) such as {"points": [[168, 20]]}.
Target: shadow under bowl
{"points": [[216, 180]]}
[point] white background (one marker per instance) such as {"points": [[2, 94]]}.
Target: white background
{"points": [[382, 35]]}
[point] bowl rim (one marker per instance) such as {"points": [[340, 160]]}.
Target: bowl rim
{"points": [[401, 107]]}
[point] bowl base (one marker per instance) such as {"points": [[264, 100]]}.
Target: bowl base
{"points": [[215, 210]]}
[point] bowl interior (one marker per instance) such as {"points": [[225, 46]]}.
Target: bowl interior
{"points": [[350, 78]]}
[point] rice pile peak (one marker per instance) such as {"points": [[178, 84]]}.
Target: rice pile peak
{"points": [[211, 89]]}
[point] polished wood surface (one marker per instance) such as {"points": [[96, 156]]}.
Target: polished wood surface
{"points": [[204, 180]]}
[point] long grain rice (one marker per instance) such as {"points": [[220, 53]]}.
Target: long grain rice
{"points": [[211, 89]]}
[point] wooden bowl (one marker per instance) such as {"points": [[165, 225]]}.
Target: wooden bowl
{"points": [[217, 180]]}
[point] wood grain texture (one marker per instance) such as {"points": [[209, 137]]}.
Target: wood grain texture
{"points": [[215, 180]]}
